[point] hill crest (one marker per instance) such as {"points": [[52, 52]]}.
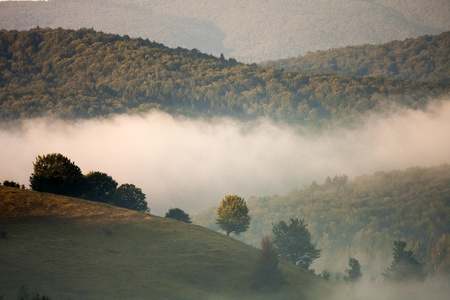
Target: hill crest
{"points": [[74, 249]]}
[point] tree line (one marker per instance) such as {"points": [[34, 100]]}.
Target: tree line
{"points": [[74, 74], [55, 173], [421, 59]]}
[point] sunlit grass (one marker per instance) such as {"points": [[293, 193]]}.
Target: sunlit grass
{"points": [[71, 248]]}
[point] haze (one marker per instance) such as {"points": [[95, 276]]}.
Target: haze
{"points": [[192, 164], [247, 30]]}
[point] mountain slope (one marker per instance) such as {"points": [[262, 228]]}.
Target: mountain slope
{"points": [[249, 30], [362, 217], [425, 58], [74, 249], [85, 74]]}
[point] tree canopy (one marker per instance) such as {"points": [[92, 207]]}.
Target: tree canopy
{"points": [[424, 58], [74, 74], [55, 173], [131, 197], [100, 187], [179, 215], [293, 242], [405, 266], [232, 215]]}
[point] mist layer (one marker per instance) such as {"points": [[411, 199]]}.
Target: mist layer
{"points": [[192, 164]]}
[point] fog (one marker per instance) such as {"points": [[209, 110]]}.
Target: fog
{"points": [[192, 164], [434, 288]]}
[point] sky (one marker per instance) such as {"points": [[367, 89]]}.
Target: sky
{"points": [[193, 164]]}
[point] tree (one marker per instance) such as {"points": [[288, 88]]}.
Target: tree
{"points": [[267, 276], [293, 242], [354, 272], [439, 255], [11, 184], [178, 214], [131, 197], [232, 215], [100, 187], [55, 173], [405, 266]]}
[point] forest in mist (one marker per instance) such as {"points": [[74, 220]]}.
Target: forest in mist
{"points": [[362, 217], [86, 74], [354, 140], [181, 162], [424, 59]]}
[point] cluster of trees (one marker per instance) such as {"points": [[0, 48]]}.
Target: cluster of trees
{"points": [[423, 59], [363, 217], [57, 174], [12, 183], [84, 74], [292, 242]]}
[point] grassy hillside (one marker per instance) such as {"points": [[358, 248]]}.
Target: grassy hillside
{"points": [[84, 74], [424, 58], [248, 30], [362, 218], [68, 248]]}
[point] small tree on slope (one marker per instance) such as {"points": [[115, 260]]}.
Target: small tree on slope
{"points": [[267, 276], [232, 215]]}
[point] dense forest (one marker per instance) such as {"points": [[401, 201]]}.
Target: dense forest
{"points": [[425, 58], [363, 217], [82, 74]]}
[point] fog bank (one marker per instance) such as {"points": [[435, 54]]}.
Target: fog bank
{"points": [[192, 164]]}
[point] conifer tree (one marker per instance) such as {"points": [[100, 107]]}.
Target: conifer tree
{"points": [[267, 276]]}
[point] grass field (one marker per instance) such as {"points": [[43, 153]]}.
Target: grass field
{"points": [[69, 248]]}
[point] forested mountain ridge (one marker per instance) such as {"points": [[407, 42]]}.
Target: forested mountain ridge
{"points": [[84, 74], [362, 217], [247, 30], [426, 58]]}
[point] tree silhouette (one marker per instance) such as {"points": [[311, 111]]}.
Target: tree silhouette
{"points": [[55, 173], [100, 187], [293, 242], [267, 276], [131, 197], [405, 266], [179, 215], [354, 272]]}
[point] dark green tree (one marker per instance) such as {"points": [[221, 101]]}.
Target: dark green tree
{"points": [[11, 184], [179, 215], [232, 215], [55, 173], [267, 277], [293, 242], [131, 197], [100, 187], [405, 266], [354, 272]]}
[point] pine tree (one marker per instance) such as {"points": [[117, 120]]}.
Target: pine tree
{"points": [[267, 277]]}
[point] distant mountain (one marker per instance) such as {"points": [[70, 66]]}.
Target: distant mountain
{"points": [[84, 74], [68, 248], [425, 58], [247, 30], [362, 217]]}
